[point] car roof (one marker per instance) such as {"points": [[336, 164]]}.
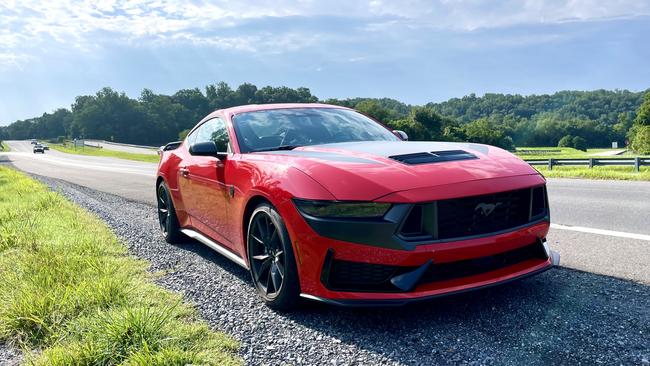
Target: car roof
{"points": [[264, 107]]}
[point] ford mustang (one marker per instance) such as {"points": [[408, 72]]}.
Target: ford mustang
{"points": [[324, 203]]}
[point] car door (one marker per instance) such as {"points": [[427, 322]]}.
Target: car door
{"points": [[204, 190]]}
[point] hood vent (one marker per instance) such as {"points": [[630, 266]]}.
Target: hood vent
{"points": [[433, 157]]}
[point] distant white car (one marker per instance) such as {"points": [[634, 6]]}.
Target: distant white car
{"points": [[38, 148], [34, 142]]}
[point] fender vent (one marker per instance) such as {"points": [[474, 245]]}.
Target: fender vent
{"points": [[433, 157]]}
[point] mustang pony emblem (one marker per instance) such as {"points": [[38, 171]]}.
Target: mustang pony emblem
{"points": [[486, 208]]}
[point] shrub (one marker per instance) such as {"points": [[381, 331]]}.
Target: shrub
{"points": [[641, 140], [579, 143], [566, 141]]}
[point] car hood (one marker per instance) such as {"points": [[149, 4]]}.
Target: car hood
{"points": [[369, 170]]}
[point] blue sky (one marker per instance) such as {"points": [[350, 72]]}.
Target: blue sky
{"points": [[414, 51]]}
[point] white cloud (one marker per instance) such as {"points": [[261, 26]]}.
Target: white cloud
{"points": [[87, 23]]}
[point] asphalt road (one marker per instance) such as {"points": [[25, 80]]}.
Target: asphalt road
{"points": [[130, 179], [605, 204], [598, 226]]}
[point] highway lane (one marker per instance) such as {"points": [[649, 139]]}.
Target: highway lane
{"points": [[617, 206], [130, 179], [605, 204]]}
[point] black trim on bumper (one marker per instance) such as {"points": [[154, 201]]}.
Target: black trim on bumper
{"points": [[402, 302], [350, 276]]}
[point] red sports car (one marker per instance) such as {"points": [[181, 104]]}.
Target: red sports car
{"points": [[321, 202]]}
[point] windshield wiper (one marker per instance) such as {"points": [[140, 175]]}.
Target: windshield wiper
{"points": [[281, 147]]}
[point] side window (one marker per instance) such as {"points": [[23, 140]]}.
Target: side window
{"points": [[191, 138], [220, 135], [212, 130]]}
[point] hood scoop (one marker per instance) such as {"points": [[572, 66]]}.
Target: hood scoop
{"points": [[433, 157]]}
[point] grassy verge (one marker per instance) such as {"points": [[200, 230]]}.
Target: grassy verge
{"points": [[565, 153], [70, 294], [597, 172], [93, 151], [4, 147]]}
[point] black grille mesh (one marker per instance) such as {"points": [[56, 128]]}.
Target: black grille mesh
{"points": [[351, 275], [476, 215]]}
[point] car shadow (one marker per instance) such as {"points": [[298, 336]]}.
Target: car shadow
{"points": [[208, 254]]}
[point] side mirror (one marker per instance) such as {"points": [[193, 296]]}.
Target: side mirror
{"points": [[401, 134], [208, 148]]}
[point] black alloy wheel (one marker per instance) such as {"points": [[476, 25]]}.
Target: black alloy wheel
{"points": [[167, 215], [271, 259]]}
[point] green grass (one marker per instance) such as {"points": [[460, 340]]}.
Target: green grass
{"points": [[567, 153], [71, 295], [93, 151], [597, 172], [4, 147], [563, 153]]}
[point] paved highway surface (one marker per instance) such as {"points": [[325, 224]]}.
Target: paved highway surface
{"points": [[130, 179], [598, 226]]}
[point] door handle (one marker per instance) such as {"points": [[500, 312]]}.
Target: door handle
{"points": [[184, 171]]}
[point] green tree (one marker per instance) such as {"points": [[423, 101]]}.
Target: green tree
{"points": [[641, 129], [622, 127], [374, 110], [485, 131], [110, 115], [566, 141], [579, 143], [183, 134], [643, 114], [414, 129], [641, 140]]}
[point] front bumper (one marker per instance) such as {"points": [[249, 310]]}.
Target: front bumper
{"points": [[356, 302], [315, 253]]}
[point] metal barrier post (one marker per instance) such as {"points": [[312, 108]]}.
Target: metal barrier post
{"points": [[637, 164], [550, 164], [591, 163]]}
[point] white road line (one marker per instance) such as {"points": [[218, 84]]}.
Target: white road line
{"points": [[589, 230]]}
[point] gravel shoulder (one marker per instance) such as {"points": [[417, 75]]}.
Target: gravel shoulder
{"points": [[10, 356], [562, 316]]}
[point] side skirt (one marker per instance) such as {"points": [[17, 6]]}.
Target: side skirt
{"points": [[215, 246]]}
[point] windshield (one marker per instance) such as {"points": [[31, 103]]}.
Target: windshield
{"points": [[279, 129]]}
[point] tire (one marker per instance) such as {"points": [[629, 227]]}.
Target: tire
{"points": [[271, 258], [167, 219]]}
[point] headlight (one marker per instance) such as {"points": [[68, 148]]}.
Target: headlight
{"points": [[336, 209]]}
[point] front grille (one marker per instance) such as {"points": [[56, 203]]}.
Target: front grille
{"points": [[475, 215]]}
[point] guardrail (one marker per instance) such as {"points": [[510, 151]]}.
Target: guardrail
{"points": [[540, 152], [592, 162], [97, 142]]}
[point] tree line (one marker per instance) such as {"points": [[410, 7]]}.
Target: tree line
{"points": [[568, 118]]}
